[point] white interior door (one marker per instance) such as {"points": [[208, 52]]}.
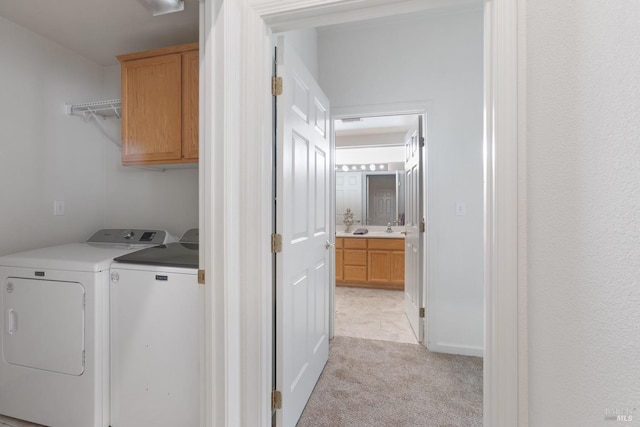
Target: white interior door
{"points": [[381, 190], [303, 219], [414, 227]]}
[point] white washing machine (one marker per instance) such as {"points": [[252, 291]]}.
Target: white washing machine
{"points": [[157, 338], [54, 368]]}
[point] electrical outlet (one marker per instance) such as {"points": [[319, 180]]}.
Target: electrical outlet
{"points": [[58, 207]]}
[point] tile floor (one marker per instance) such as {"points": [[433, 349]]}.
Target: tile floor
{"points": [[361, 313], [376, 314]]}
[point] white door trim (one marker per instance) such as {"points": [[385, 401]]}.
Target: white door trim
{"points": [[235, 205]]}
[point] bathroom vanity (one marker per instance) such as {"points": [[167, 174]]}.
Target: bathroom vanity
{"points": [[370, 261]]}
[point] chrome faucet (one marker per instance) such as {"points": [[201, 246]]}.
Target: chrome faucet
{"points": [[389, 230]]}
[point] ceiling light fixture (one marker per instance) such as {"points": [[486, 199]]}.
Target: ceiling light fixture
{"points": [[162, 7]]}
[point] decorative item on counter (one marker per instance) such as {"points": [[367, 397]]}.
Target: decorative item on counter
{"points": [[348, 220], [361, 231]]}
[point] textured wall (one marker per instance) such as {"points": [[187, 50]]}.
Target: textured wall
{"points": [[46, 155], [583, 102]]}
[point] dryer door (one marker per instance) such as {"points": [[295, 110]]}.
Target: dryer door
{"points": [[44, 324]]}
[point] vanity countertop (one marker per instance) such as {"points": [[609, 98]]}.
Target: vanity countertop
{"points": [[373, 234]]}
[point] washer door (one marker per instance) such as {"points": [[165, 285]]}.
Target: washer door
{"points": [[44, 324]]}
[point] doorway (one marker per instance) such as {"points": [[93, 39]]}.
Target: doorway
{"points": [[370, 176], [458, 131]]}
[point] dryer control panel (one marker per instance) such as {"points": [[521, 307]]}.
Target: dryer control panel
{"points": [[131, 235]]}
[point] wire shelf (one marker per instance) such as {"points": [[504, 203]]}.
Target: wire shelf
{"points": [[107, 108]]}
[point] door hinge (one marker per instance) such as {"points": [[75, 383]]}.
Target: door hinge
{"points": [[422, 312], [422, 141], [423, 227], [276, 399], [276, 86], [201, 277], [276, 243]]}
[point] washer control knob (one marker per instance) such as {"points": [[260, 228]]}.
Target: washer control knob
{"points": [[115, 277], [127, 234]]}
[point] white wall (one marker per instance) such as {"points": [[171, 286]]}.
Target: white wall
{"points": [[583, 121], [369, 155], [305, 43], [145, 198], [436, 59], [46, 155], [393, 138]]}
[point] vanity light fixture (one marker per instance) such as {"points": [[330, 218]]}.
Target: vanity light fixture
{"points": [[362, 167], [162, 7]]}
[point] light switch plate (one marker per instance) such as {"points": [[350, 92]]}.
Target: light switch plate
{"points": [[461, 208], [58, 207]]}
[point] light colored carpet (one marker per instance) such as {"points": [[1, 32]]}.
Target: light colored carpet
{"points": [[369, 383]]}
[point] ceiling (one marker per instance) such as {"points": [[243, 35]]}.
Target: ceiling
{"points": [[374, 125], [101, 29]]}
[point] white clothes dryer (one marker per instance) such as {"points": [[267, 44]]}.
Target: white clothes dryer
{"points": [[157, 341], [54, 368]]}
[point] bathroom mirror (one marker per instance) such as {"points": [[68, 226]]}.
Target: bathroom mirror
{"points": [[375, 198]]}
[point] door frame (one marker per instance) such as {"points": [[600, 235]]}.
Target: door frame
{"points": [[235, 199], [422, 108]]}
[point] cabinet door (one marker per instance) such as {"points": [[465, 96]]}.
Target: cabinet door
{"points": [[397, 267], [355, 257], [190, 117], [379, 266], [151, 109], [355, 273], [339, 266]]}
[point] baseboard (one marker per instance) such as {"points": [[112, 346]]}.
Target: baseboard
{"points": [[464, 350]]}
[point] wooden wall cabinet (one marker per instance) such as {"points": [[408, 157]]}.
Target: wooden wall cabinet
{"points": [[375, 263], [160, 106]]}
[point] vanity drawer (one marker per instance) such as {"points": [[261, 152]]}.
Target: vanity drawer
{"points": [[339, 241], [355, 243], [355, 257], [389, 244], [355, 273]]}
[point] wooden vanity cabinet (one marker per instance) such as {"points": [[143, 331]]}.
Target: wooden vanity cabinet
{"points": [[160, 106], [374, 263], [355, 260], [339, 259]]}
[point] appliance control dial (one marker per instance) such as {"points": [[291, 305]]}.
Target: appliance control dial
{"points": [[127, 234]]}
